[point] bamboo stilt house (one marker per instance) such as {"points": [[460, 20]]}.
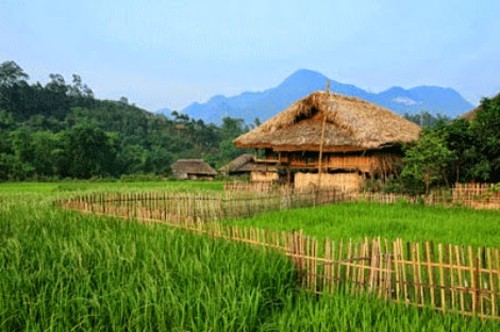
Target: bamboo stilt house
{"points": [[246, 164], [355, 138], [192, 169]]}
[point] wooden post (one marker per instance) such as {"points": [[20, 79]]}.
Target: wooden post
{"points": [[441, 278], [473, 279], [429, 273], [321, 142]]}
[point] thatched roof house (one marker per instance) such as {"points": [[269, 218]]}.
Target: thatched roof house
{"points": [[193, 169], [351, 125], [357, 136], [246, 164], [239, 165]]}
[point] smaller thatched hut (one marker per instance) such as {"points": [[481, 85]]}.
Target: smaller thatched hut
{"points": [[246, 164], [192, 169]]}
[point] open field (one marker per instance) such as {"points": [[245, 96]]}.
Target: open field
{"points": [[62, 270], [71, 187], [411, 222]]}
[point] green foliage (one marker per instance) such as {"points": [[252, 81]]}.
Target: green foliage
{"points": [[426, 119], [425, 162], [59, 130], [458, 151], [409, 221], [88, 151], [64, 271], [486, 130]]}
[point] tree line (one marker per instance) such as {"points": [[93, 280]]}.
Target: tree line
{"points": [[466, 149], [60, 130]]}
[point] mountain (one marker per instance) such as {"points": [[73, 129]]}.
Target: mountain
{"points": [[265, 104]]}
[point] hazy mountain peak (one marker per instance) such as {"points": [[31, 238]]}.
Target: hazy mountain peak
{"points": [[265, 104], [304, 76]]}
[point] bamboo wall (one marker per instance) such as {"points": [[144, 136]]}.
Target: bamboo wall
{"points": [[372, 163], [347, 182], [256, 176]]}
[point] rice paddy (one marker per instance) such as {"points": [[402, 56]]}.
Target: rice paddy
{"points": [[461, 226], [62, 271]]}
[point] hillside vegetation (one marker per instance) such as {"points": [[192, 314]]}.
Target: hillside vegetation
{"points": [[61, 130]]}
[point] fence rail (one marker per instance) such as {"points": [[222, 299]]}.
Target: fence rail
{"points": [[199, 207], [448, 278]]}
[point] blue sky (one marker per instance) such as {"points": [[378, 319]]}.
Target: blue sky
{"points": [[171, 53]]}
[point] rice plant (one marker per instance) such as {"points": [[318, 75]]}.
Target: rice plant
{"points": [[462, 226], [62, 271]]}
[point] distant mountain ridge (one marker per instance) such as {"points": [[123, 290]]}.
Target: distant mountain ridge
{"points": [[265, 104]]}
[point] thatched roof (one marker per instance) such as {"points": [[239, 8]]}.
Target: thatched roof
{"points": [[351, 124], [244, 164], [239, 164], [192, 166]]}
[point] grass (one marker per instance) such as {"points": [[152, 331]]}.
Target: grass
{"points": [[460, 226], [63, 271], [62, 187]]}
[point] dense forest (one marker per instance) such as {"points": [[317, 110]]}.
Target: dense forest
{"points": [[59, 130]]}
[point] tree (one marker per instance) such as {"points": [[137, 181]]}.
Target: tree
{"points": [[486, 130], [44, 144], [426, 119], [230, 129], [11, 74], [22, 148], [426, 163], [88, 151]]}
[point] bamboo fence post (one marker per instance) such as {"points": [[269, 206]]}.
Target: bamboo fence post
{"points": [[339, 265], [374, 264], [414, 267], [348, 264], [441, 278], [315, 264], [452, 277], [332, 266], [473, 279], [430, 274], [403, 268], [478, 283], [328, 262], [381, 274], [397, 270], [418, 277], [389, 270], [355, 269], [462, 277], [492, 284], [362, 273]]}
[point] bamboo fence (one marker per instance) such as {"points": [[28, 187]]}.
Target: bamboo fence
{"points": [[198, 207], [448, 278], [473, 195]]}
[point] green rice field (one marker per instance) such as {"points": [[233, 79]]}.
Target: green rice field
{"points": [[456, 225], [62, 271]]}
